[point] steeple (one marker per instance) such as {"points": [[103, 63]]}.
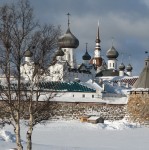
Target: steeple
{"points": [[97, 60], [97, 47], [98, 37], [68, 19]]}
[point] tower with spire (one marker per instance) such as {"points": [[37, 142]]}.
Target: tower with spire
{"points": [[97, 59], [68, 42]]}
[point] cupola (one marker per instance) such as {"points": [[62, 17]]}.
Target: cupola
{"points": [[112, 53], [121, 67], [129, 67], [68, 40], [28, 53], [86, 56]]}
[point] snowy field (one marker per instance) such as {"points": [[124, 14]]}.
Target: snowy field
{"points": [[74, 135]]}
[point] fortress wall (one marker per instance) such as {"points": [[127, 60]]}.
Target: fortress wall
{"points": [[76, 110]]}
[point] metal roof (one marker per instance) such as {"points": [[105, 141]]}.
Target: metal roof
{"points": [[112, 53], [53, 86], [68, 40]]}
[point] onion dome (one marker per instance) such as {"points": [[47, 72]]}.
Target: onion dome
{"points": [[129, 67], [28, 53], [86, 56], [68, 40], [112, 53], [60, 53], [121, 67]]}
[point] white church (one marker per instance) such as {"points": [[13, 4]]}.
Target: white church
{"points": [[65, 66]]}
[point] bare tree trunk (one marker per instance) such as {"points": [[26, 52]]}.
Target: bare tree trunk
{"points": [[29, 133], [17, 132]]}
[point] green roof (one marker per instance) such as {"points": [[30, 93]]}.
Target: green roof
{"points": [[65, 86], [54, 86]]}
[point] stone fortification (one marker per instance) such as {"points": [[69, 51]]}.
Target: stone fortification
{"points": [[68, 110]]}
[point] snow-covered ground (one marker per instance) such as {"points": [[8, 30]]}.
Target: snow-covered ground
{"points": [[74, 135]]}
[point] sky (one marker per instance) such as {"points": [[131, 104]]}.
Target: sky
{"points": [[125, 21]]}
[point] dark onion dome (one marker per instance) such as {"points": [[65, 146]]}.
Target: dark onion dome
{"points": [[68, 40], [60, 53], [28, 53], [121, 67], [129, 67], [86, 56], [112, 53]]}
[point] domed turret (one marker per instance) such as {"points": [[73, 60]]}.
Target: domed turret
{"points": [[68, 40], [121, 67], [112, 53], [86, 56], [60, 53], [28, 53], [129, 67]]}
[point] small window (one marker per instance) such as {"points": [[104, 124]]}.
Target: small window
{"points": [[113, 64], [92, 96], [146, 63], [110, 64], [73, 95], [83, 95]]}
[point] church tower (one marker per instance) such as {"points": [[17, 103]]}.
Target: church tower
{"points": [[97, 60], [112, 55], [68, 42]]}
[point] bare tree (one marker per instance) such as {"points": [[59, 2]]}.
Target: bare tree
{"points": [[22, 100]]}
